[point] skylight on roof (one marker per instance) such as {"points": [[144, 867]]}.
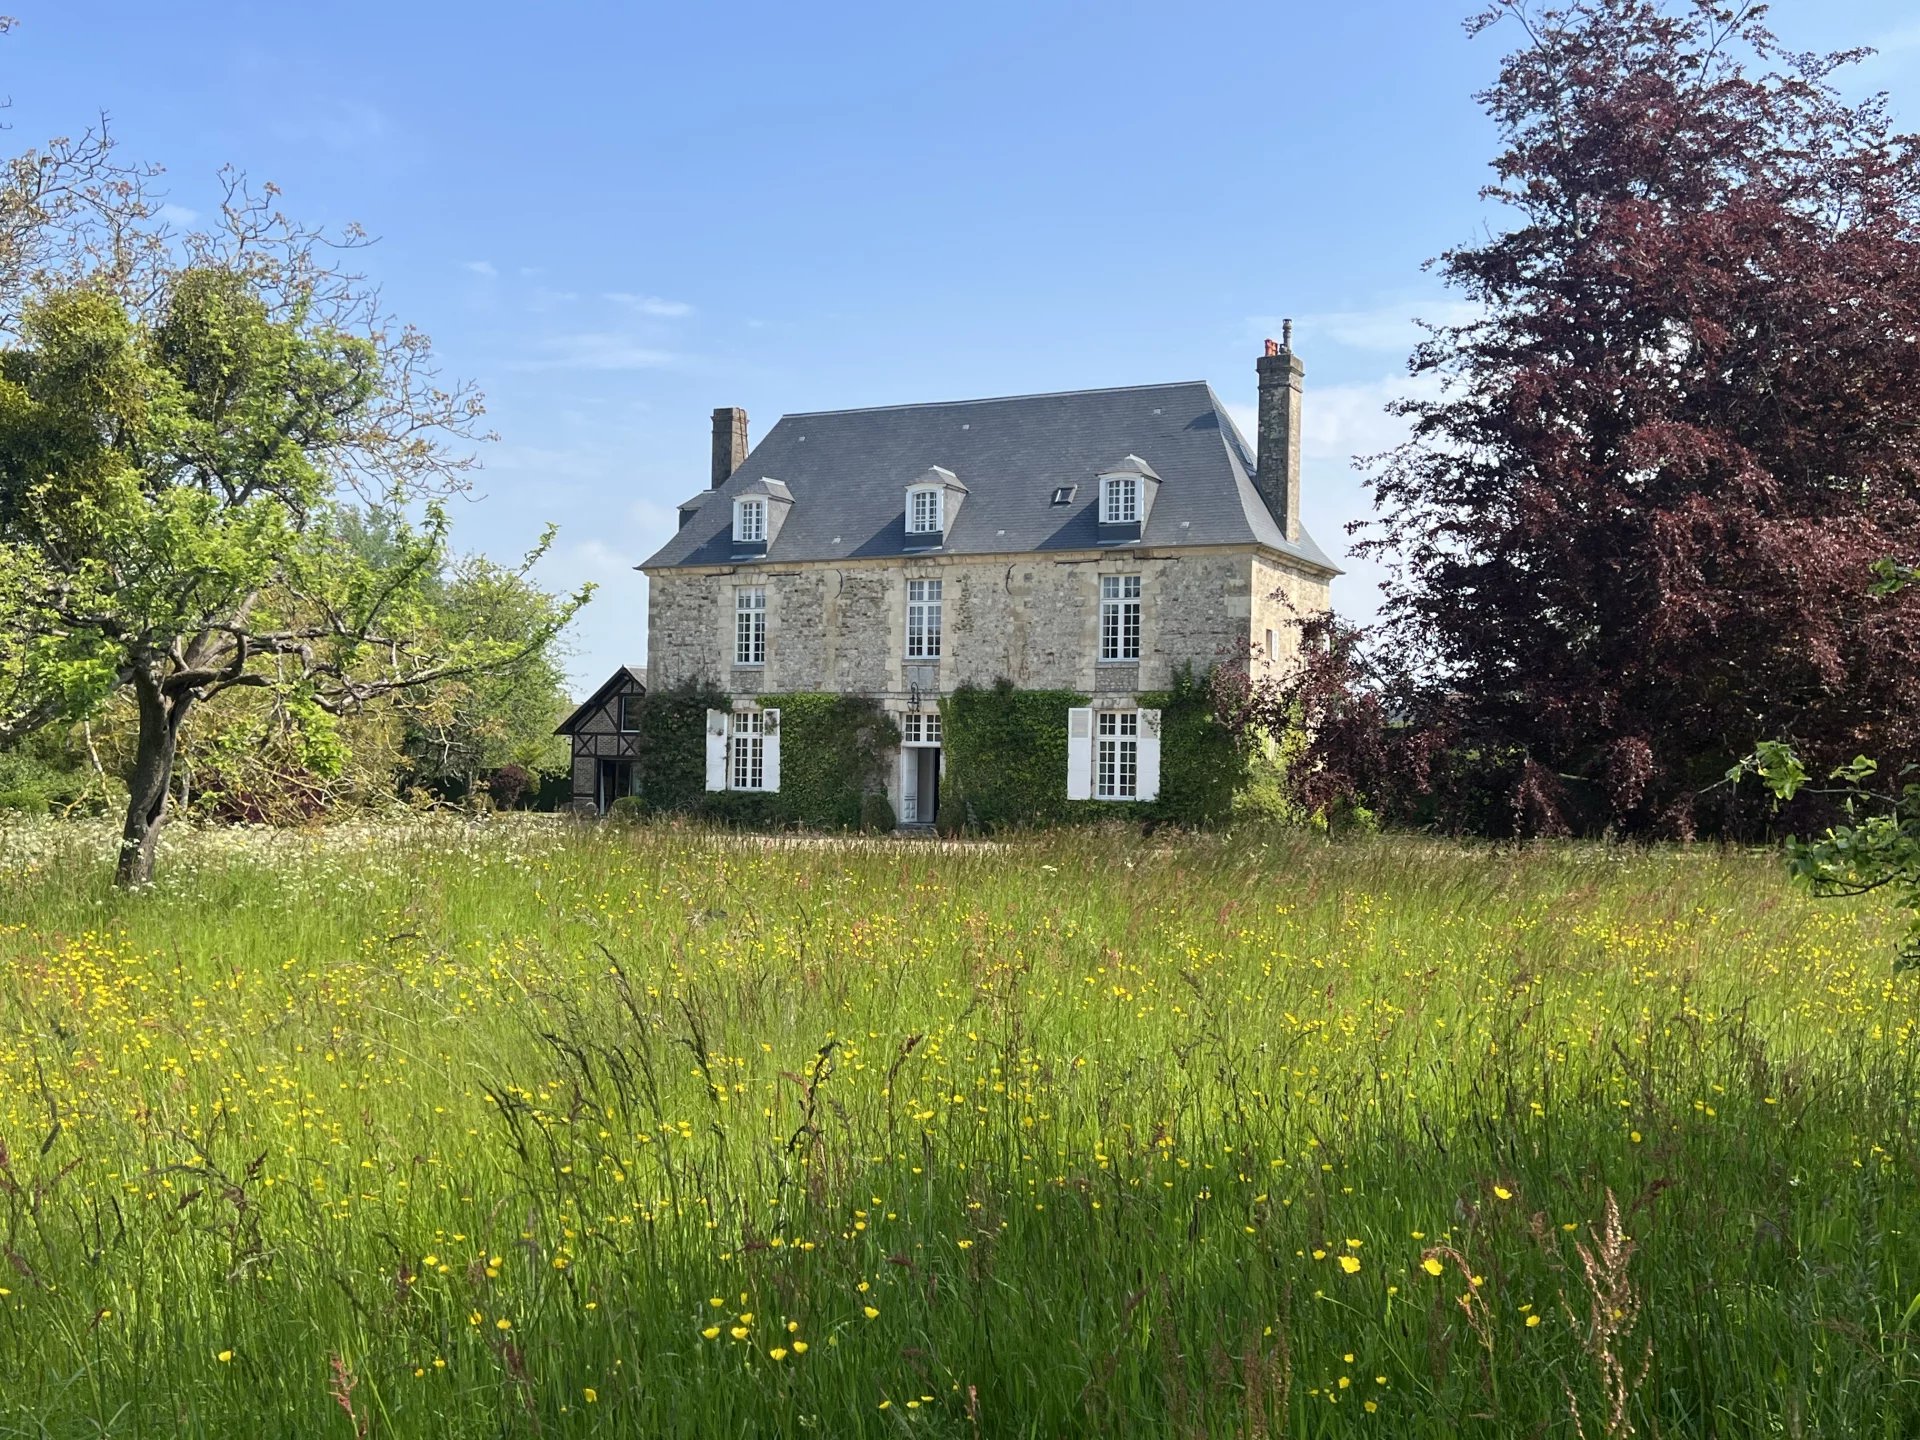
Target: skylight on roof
{"points": [[1063, 494]]}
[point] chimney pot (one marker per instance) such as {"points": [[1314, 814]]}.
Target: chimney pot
{"points": [[1277, 465], [729, 442]]}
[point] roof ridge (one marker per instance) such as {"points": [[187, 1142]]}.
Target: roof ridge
{"points": [[996, 399]]}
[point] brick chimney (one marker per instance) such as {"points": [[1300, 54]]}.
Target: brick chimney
{"points": [[1278, 474], [729, 442]]}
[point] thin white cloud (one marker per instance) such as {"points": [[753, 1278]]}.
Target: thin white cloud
{"points": [[1340, 422], [177, 214], [650, 305], [479, 267], [595, 350], [1389, 325]]}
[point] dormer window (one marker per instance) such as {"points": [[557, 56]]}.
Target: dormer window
{"points": [[749, 521], [934, 497], [926, 510], [1120, 500]]}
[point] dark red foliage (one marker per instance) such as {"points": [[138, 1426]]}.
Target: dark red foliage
{"points": [[508, 785], [1635, 533]]}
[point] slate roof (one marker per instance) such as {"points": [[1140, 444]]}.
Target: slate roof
{"points": [[635, 673], [849, 470]]}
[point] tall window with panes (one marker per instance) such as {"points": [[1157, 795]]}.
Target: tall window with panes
{"points": [[750, 625], [923, 619], [924, 512], [1119, 617], [748, 746], [1116, 755], [750, 520], [1120, 501]]}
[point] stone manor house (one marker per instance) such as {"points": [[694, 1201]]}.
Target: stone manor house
{"points": [[1091, 541]]}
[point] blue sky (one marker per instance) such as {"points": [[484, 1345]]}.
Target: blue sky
{"points": [[617, 217]]}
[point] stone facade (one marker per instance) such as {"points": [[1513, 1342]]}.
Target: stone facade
{"points": [[1039, 497], [1033, 619]]}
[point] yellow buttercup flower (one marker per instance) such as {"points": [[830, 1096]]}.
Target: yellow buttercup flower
{"points": [[1350, 1264], [1432, 1265]]}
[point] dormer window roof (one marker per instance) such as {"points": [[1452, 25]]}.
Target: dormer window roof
{"points": [[1126, 493], [932, 501], [759, 509]]}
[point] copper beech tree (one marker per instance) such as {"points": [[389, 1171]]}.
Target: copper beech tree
{"points": [[1633, 535]]}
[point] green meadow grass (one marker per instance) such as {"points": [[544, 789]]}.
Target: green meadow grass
{"points": [[448, 1129]]}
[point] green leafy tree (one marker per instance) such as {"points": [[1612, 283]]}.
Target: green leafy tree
{"points": [[467, 728], [180, 463], [1879, 846]]}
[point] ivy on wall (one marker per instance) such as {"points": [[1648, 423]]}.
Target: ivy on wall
{"points": [[833, 759], [1005, 753], [1005, 756], [1006, 761], [834, 751]]}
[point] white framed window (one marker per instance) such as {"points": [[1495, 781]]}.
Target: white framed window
{"points": [[1119, 617], [926, 511], [1273, 646], [750, 625], [1120, 500], [923, 619], [743, 749], [1113, 754], [920, 727], [749, 521], [1116, 755], [747, 751]]}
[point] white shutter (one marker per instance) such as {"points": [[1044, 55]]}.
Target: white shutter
{"points": [[1148, 780], [1080, 754], [770, 753], [716, 749], [909, 785]]}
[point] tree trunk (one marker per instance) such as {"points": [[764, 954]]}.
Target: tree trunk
{"points": [[160, 722]]}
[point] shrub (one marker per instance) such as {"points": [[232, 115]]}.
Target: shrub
{"points": [[627, 810], [23, 802], [508, 785], [876, 815]]}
